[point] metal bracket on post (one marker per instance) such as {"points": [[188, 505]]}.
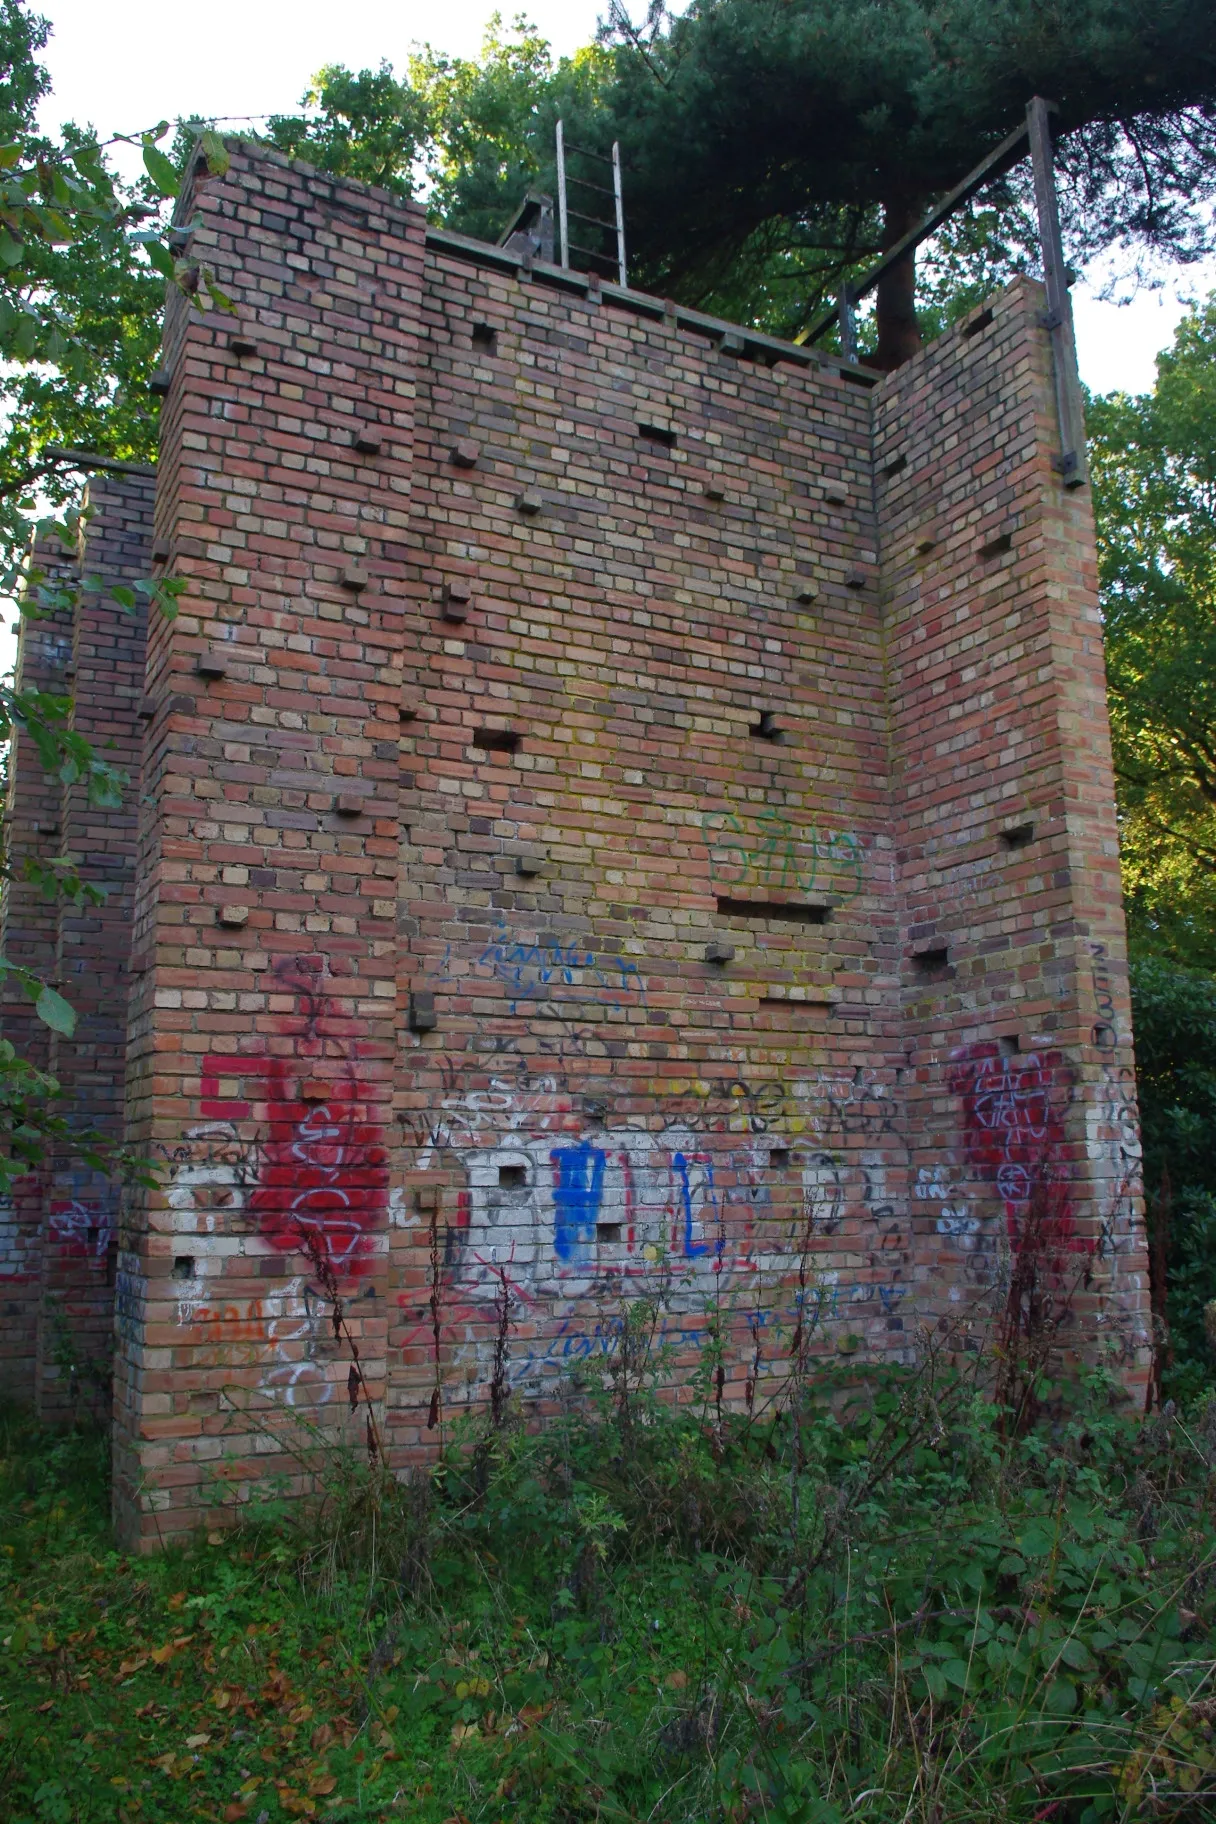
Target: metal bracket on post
{"points": [[562, 224], [619, 198], [1058, 318], [848, 333]]}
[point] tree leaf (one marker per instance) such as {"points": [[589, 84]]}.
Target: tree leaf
{"points": [[161, 170], [215, 152], [55, 1012]]}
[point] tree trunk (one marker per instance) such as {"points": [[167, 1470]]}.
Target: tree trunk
{"points": [[898, 330]]}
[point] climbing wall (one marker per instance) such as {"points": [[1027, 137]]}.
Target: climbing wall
{"points": [[626, 828]]}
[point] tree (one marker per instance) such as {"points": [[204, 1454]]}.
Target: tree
{"points": [[83, 268], [791, 139], [1153, 463], [472, 134]]}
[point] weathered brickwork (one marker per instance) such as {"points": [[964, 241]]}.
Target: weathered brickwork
{"points": [[57, 1276], [623, 813]]}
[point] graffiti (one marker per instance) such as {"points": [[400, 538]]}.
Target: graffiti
{"points": [[549, 974], [1105, 1032], [1013, 1127], [84, 1228], [282, 1336], [774, 855], [953, 1218], [130, 1304], [323, 1171]]}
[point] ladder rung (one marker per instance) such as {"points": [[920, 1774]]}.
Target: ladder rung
{"points": [[609, 259], [587, 184], [597, 221], [605, 158]]}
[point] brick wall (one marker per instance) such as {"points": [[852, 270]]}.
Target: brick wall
{"points": [[65, 1219], [584, 851]]}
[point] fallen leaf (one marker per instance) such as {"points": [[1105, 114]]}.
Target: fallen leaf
{"points": [[676, 1681], [234, 1813], [221, 1698], [132, 1665], [197, 1741], [463, 1732], [215, 1538], [322, 1784], [160, 1656], [321, 1737], [147, 1709], [176, 1600]]}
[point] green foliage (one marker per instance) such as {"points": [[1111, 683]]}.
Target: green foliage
{"points": [[469, 134], [1154, 472], [874, 1608], [799, 133], [1174, 1019]]}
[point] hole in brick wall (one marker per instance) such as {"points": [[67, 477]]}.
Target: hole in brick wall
{"points": [[800, 1005], [779, 1158], [658, 433], [513, 1177], [977, 325], [896, 468], [485, 336], [931, 962], [497, 740], [997, 547], [608, 1231], [767, 908], [1017, 836], [1010, 1044], [766, 728], [183, 1266]]}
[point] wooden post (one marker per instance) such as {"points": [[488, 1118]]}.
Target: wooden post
{"points": [[1058, 319], [848, 335]]}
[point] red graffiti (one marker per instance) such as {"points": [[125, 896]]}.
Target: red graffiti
{"points": [[322, 1169], [1013, 1127]]}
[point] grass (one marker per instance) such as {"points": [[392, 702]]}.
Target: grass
{"points": [[872, 1607]]}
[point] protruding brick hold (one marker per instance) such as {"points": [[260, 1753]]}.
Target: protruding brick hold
{"points": [[895, 467], [530, 861], [731, 342], [160, 550], [213, 663], [530, 503], [242, 346], [808, 591], [355, 578], [855, 579], [714, 489], [423, 1017], [350, 804], [925, 543], [159, 381], [766, 727], [233, 917], [147, 708], [718, 950], [426, 1197], [367, 442], [483, 334], [409, 706], [465, 453], [457, 599], [835, 492], [658, 430], [1018, 835], [314, 1089]]}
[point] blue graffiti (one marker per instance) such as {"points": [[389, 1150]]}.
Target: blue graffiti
{"points": [[577, 1190], [541, 968], [680, 1164]]}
